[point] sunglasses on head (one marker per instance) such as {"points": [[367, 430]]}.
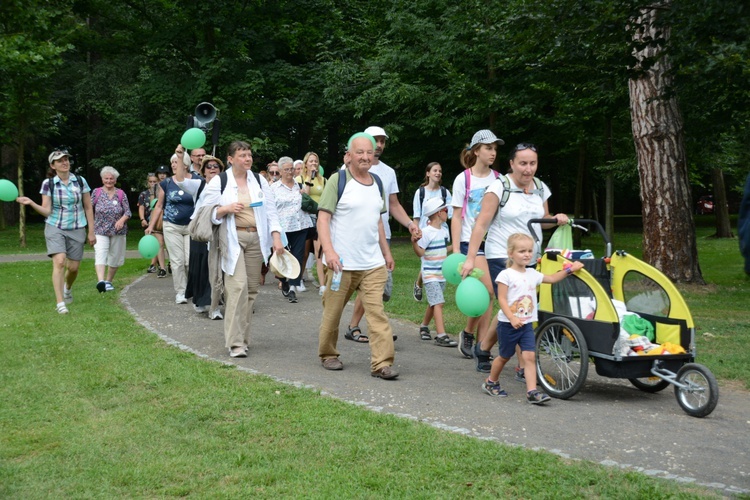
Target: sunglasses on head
{"points": [[525, 145]]}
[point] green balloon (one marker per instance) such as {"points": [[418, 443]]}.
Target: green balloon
{"points": [[472, 298], [153, 203], [8, 190], [148, 246], [451, 267], [193, 138]]}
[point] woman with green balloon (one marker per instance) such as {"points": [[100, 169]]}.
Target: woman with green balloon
{"points": [[176, 206], [468, 191], [66, 205], [509, 203]]}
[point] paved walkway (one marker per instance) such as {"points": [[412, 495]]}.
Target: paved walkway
{"points": [[608, 422]]}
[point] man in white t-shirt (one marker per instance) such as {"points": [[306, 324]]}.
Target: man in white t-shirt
{"points": [[392, 207], [352, 237]]}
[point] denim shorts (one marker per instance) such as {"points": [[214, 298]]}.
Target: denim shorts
{"points": [[508, 338], [495, 265], [465, 248]]}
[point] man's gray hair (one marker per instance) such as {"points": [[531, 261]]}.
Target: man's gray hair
{"points": [[284, 160]]}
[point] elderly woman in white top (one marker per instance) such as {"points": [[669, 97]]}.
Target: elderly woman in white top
{"points": [[199, 287], [294, 221], [247, 210]]}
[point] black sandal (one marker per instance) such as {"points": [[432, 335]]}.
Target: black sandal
{"points": [[358, 337], [424, 333]]}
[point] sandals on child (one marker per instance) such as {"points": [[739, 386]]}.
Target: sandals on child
{"points": [[355, 334], [424, 333]]}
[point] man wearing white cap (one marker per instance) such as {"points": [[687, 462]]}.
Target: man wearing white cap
{"points": [[392, 207]]}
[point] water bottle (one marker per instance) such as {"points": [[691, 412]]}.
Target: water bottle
{"points": [[336, 280]]}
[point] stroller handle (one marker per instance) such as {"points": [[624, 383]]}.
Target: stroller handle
{"points": [[585, 222]]}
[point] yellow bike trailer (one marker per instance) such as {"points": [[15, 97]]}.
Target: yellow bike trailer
{"points": [[579, 322]]}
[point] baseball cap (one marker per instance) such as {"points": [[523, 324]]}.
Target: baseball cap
{"points": [[57, 154], [376, 131], [432, 206], [485, 137], [162, 169]]}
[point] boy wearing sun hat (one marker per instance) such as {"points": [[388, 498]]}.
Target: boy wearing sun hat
{"points": [[432, 247]]}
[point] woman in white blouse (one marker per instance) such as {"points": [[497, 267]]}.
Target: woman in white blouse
{"points": [[294, 221], [247, 210]]}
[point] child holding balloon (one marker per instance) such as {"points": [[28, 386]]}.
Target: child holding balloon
{"points": [[516, 293], [432, 247]]}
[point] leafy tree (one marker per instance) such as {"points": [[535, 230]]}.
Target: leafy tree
{"points": [[33, 38]]}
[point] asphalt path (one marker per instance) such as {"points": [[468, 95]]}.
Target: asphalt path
{"points": [[608, 422]]}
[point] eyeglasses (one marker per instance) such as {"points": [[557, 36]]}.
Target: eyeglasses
{"points": [[197, 156], [212, 166], [525, 145], [274, 174], [289, 169]]}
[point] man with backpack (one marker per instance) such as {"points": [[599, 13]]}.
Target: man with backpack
{"points": [[352, 237], [392, 206]]}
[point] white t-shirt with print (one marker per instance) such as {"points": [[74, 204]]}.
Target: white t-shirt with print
{"points": [[390, 186], [512, 218], [521, 293], [477, 188]]}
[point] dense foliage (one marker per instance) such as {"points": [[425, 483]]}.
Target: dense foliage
{"points": [[115, 81]]}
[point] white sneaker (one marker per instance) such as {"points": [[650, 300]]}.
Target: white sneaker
{"points": [[321, 290], [67, 296], [200, 309], [215, 314], [180, 299], [301, 287]]}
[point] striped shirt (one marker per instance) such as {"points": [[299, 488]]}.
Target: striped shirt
{"points": [[67, 205], [433, 242]]}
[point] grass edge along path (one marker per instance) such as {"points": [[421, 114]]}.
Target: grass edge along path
{"points": [[94, 405]]}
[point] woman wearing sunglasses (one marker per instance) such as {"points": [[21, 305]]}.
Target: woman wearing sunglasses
{"points": [[527, 199], [198, 283]]}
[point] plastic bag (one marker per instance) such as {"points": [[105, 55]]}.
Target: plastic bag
{"points": [[634, 324], [562, 238]]}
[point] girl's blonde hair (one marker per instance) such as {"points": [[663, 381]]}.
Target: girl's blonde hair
{"points": [[513, 241]]}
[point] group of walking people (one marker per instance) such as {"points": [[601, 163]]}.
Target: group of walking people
{"points": [[253, 217]]}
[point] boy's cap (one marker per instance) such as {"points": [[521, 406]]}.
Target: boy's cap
{"points": [[432, 206]]}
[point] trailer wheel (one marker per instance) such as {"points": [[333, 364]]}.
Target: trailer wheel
{"points": [[562, 358], [649, 384], [702, 394]]}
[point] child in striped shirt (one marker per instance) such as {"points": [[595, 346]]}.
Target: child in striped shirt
{"points": [[432, 248]]}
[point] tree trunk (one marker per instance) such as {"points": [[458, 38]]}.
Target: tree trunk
{"points": [[668, 228], [578, 203], [721, 211], [609, 201], [22, 211]]}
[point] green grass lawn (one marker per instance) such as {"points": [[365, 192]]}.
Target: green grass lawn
{"points": [[94, 405]]}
